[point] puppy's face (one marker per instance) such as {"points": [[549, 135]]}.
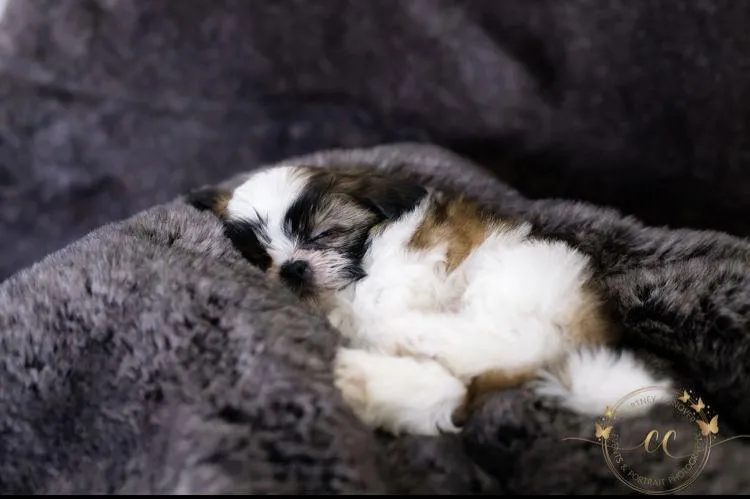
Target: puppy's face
{"points": [[308, 227]]}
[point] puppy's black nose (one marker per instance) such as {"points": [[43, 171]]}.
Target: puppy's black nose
{"points": [[295, 273]]}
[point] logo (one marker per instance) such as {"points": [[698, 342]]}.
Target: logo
{"points": [[682, 447]]}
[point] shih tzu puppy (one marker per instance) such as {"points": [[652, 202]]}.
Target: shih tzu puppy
{"points": [[441, 301]]}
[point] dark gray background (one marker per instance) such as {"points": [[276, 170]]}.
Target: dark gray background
{"points": [[108, 107]]}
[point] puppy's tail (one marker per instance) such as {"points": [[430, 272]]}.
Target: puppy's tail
{"points": [[592, 379]]}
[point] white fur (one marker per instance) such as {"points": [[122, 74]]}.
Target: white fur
{"points": [[419, 335], [267, 196], [600, 378], [403, 394], [504, 306]]}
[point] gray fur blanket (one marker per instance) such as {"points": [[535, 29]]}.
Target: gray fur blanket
{"points": [[148, 357]]}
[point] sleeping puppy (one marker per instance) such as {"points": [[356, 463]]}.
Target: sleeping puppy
{"points": [[441, 301]]}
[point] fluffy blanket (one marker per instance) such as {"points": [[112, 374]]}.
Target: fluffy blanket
{"points": [[148, 357]]}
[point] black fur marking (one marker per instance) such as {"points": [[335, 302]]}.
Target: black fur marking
{"points": [[205, 198], [384, 196], [244, 237], [298, 219], [355, 272], [391, 199], [354, 251]]}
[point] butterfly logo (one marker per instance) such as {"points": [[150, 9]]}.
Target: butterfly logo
{"points": [[609, 413], [685, 397], [603, 433], [699, 406], [711, 427]]}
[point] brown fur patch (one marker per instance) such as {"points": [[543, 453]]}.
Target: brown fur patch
{"points": [[220, 205], [459, 223], [484, 385], [381, 194], [591, 323], [212, 199]]}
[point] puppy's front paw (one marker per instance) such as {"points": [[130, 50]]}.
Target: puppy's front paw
{"points": [[398, 394], [351, 380]]}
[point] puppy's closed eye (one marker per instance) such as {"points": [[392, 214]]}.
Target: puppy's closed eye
{"points": [[328, 234]]}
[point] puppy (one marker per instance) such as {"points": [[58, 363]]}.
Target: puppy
{"points": [[441, 301]]}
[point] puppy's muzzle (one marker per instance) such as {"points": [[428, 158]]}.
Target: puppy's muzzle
{"points": [[296, 274]]}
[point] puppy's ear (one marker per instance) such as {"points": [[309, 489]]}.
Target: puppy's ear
{"points": [[210, 198], [391, 198]]}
